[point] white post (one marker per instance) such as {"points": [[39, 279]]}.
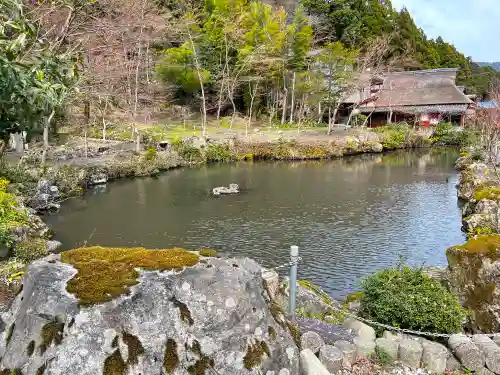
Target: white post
{"points": [[294, 255]]}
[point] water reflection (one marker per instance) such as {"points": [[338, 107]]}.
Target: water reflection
{"points": [[349, 217]]}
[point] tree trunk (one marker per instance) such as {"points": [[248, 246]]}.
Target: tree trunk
{"points": [[292, 104], [253, 93], [285, 94], [46, 137], [202, 88], [103, 129], [3, 147], [137, 142]]}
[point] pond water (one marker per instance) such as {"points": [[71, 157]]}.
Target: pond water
{"points": [[349, 217]]}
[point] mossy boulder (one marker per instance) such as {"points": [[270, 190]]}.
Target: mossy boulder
{"points": [[474, 274], [474, 176], [137, 311]]}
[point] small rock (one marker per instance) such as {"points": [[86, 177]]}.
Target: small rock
{"points": [[389, 347], [467, 352], [364, 347], [348, 351], [483, 371], [98, 179], [452, 363], [271, 279], [491, 350], [434, 357], [410, 352], [311, 365], [311, 340], [332, 358], [361, 329], [53, 245]]}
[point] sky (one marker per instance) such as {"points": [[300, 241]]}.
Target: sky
{"points": [[471, 25]]}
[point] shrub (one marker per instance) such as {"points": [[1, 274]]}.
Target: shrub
{"points": [[186, 151], [446, 135], [31, 249], [393, 136], [12, 214], [408, 298], [218, 153], [151, 153]]}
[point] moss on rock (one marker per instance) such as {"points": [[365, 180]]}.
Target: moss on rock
{"points": [[114, 364], [52, 333], [171, 358], [208, 253], [488, 245], [183, 309], [30, 348], [106, 273], [254, 354], [492, 193], [135, 348]]}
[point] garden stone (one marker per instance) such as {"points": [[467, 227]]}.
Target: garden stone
{"points": [[332, 358], [329, 332], [452, 363], [364, 347], [483, 371], [310, 364], [467, 352], [434, 357], [43, 187], [496, 339], [221, 307], [491, 351], [311, 340], [53, 245], [392, 336], [362, 330], [410, 353], [389, 347], [271, 278], [348, 351]]}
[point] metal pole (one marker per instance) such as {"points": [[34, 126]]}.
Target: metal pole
{"points": [[294, 254]]}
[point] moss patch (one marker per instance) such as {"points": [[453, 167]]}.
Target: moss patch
{"points": [[183, 309], [492, 193], [316, 290], [272, 332], [254, 354], [30, 349], [135, 348], [171, 358], [106, 273], [52, 333], [201, 366], [354, 297], [114, 343], [114, 364], [41, 370], [488, 245], [8, 333], [208, 253]]}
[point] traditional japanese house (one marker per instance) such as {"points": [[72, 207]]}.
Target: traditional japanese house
{"points": [[423, 97]]}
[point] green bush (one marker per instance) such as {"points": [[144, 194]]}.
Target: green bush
{"points": [[31, 249], [393, 136], [151, 153], [408, 298], [218, 153], [187, 151], [11, 214], [446, 135]]}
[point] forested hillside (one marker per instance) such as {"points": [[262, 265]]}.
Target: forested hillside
{"points": [[356, 22], [494, 65], [283, 62]]}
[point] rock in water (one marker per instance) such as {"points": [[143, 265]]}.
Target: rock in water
{"points": [[210, 315]]}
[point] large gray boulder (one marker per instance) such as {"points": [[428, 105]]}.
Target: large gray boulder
{"points": [[468, 353], [471, 178], [212, 315]]}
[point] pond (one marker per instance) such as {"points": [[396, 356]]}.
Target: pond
{"points": [[349, 217]]}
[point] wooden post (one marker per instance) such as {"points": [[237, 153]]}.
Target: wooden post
{"points": [[462, 120]]}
